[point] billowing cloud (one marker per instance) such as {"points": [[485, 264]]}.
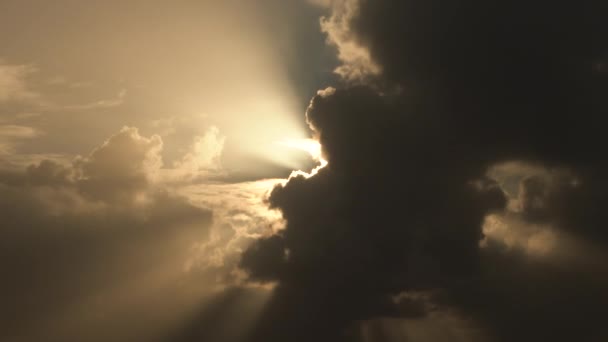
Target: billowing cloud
{"points": [[89, 244], [204, 157], [462, 193], [365, 227], [357, 63], [124, 166], [411, 186]]}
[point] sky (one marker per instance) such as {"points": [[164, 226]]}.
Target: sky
{"points": [[303, 170]]}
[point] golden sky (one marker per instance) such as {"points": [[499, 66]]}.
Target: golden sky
{"points": [[146, 135], [75, 72], [303, 170]]}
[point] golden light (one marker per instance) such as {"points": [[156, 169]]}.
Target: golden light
{"points": [[310, 146]]}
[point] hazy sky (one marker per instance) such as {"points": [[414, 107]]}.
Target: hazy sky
{"points": [[169, 68], [303, 170]]}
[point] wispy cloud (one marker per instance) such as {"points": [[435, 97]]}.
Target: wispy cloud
{"points": [[16, 131], [10, 135], [13, 82], [103, 103], [16, 86]]}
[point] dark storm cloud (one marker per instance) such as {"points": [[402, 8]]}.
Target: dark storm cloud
{"points": [[367, 225], [453, 88], [574, 203]]}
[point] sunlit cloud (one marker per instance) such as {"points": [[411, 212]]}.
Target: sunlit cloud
{"points": [[516, 234], [313, 148], [357, 62]]}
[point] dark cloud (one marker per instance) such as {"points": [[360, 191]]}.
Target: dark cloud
{"points": [[435, 97], [573, 203], [367, 225], [450, 90]]}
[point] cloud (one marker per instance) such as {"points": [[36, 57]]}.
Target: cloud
{"points": [[241, 216], [100, 104], [363, 228], [466, 161], [89, 244], [11, 135], [15, 131], [461, 89], [124, 166], [357, 64], [13, 82], [514, 233], [203, 158], [16, 83]]}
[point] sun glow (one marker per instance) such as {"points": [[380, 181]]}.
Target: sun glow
{"points": [[310, 146]]}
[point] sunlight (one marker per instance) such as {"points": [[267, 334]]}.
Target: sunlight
{"points": [[310, 146]]}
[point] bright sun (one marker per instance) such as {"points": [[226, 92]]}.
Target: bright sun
{"points": [[312, 147]]}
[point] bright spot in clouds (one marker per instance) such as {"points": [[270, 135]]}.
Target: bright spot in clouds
{"points": [[307, 145], [310, 146]]}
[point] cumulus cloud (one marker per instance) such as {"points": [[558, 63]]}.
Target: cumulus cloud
{"points": [[107, 247], [124, 166], [412, 184], [241, 216], [203, 158], [473, 198], [83, 242], [363, 228]]}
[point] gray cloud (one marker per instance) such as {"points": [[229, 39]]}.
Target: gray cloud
{"points": [[83, 243], [357, 63], [109, 247], [461, 89]]}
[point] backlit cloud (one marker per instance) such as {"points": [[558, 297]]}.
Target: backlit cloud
{"points": [[166, 176]]}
